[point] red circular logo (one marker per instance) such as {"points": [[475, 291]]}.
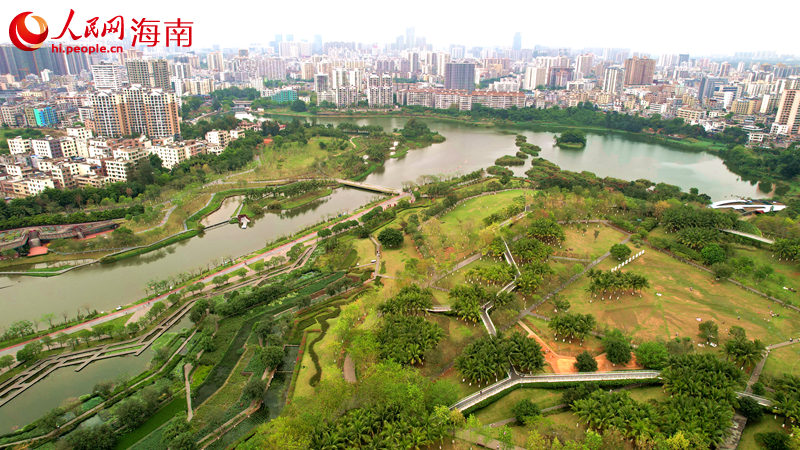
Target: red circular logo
{"points": [[23, 38]]}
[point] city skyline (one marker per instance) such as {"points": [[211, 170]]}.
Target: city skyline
{"points": [[586, 25]]}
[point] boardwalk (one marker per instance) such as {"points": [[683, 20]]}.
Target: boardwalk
{"points": [[515, 379], [42, 368], [369, 187], [755, 237]]}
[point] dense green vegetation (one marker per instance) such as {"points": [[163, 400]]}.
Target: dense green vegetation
{"points": [[571, 139]]}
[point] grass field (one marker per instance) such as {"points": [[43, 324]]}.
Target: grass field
{"points": [[396, 259], [786, 274], [501, 409], [686, 295], [581, 243], [784, 360], [458, 233], [325, 352], [457, 334], [766, 424]]}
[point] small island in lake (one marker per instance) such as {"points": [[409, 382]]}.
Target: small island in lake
{"points": [[571, 139]]}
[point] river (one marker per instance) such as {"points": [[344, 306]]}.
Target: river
{"points": [[467, 148], [105, 286]]}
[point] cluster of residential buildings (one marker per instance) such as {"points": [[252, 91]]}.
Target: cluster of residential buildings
{"points": [[135, 95], [79, 159]]}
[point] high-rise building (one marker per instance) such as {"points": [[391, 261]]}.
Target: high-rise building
{"points": [[787, 120], [215, 61], [517, 45], [560, 76], [613, 79], [108, 76], [379, 91], [136, 110], [534, 77], [321, 82], [149, 73], [45, 116], [459, 76], [583, 65], [410, 39], [639, 71], [707, 87]]}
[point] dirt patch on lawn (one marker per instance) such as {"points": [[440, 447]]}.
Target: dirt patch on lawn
{"points": [[566, 364]]}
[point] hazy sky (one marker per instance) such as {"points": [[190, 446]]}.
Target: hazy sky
{"points": [[698, 27]]}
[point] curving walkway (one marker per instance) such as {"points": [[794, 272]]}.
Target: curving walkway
{"points": [[515, 379], [82, 358]]}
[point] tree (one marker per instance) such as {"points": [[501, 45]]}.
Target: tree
{"points": [[525, 354], [617, 347], [325, 232], [131, 412], [174, 431], [271, 356], [254, 389], [483, 361], [391, 238], [298, 106], [6, 361], [712, 254], [709, 331], [751, 409], [585, 362], [468, 300], [620, 251], [98, 437], [652, 355], [30, 352], [722, 270], [773, 440], [406, 339], [525, 409]]}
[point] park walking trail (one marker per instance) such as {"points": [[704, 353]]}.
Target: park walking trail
{"points": [[187, 369], [349, 370]]}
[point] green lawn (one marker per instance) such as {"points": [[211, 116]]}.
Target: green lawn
{"points": [[460, 232], [457, 334], [501, 409], [581, 243], [686, 295], [325, 352], [784, 360], [768, 423]]}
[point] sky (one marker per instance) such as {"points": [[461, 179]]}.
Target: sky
{"points": [[697, 27]]}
